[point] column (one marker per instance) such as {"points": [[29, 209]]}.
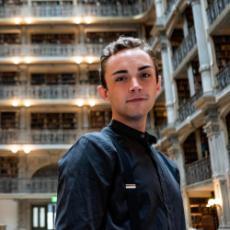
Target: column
{"points": [[176, 152], [168, 84], [219, 163], [191, 80], [85, 118], [202, 45], [217, 145], [159, 8], [189, 68]]}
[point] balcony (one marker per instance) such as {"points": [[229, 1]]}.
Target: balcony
{"points": [[223, 78], [80, 10], [46, 92], [24, 185], [45, 136], [186, 46], [215, 9], [11, 91], [188, 108], [50, 50], [198, 171], [62, 92]]}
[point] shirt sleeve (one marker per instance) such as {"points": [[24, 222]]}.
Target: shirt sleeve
{"points": [[85, 175]]}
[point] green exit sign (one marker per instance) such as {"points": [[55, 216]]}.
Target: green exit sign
{"points": [[53, 199]]}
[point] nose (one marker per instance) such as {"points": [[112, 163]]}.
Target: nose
{"points": [[135, 85]]}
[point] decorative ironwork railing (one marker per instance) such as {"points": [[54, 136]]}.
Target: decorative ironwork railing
{"points": [[79, 10], [215, 8], [50, 50], [188, 108], [24, 185], [49, 92], [223, 77], [186, 46], [198, 171], [42, 136]]}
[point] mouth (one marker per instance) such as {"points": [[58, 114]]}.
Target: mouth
{"points": [[136, 99]]}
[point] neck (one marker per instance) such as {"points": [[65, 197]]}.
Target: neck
{"points": [[138, 124]]}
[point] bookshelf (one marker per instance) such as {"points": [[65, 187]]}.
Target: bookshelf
{"points": [[10, 38], [8, 166], [53, 79], [190, 151], [49, 38], [106, 36], [8, 78], [222, 47], [8, 120], [182, 90], [54, 121]]}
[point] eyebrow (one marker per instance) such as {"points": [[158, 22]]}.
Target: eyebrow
{"points": [[119, 72], [125, 71], [145, 67]]}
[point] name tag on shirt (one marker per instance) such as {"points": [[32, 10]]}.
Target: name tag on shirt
{"points": [[130, 186]]}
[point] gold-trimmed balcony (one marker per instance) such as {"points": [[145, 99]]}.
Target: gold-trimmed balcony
{"points": [[19, 139], [218, 14], [27, 185], [30, 53], [188, 46], [77, 13], [78, 95], [188, 108], [198, 171]]}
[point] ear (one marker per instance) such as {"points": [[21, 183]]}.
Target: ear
{"points": [[103, 92], [158, 86]]}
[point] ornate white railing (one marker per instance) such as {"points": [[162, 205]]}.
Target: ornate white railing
{"points": [[26, 185], [78, 10]]}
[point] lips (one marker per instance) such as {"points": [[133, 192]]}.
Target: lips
{"points": [[136, 99]]}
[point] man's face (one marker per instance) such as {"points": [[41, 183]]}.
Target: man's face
{"points": [[131, 84]]}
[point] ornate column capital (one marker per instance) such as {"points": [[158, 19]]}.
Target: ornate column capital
{"points": [[212, 126]]}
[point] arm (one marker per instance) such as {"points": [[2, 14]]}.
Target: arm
{"points": [[85, 175]]}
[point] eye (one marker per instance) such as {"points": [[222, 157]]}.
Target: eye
{"points": [[145, 75], [120, 78]]}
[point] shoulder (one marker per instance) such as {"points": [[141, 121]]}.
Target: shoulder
{"points": [[90, 150]]}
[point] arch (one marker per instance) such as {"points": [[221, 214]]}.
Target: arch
{"points": [[46, 171]]}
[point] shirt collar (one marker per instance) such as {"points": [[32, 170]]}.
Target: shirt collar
{"points": [[127, 131]]}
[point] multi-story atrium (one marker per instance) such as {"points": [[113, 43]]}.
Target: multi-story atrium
{"points": [[49, 53]]}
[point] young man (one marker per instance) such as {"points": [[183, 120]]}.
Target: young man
{"points": [[115, 179]]}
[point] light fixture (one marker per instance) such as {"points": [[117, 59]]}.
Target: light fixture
{"points": [[28, 20], [14, 148], [15, 103], [26, 149], [27, 103], [88, 19], [78, 60], [91, 102], [89, 59], [17, 20], [16, 60], [80, 102], [213, 202], [77, 20], [27, 60]]}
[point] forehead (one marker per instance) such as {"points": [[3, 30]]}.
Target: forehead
{"points": [[124, 58]]}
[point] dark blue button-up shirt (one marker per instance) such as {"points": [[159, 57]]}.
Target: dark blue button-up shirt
{"points": [[92, 191]]}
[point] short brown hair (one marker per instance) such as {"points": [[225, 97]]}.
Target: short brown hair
{"points": [[123, 43]]}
